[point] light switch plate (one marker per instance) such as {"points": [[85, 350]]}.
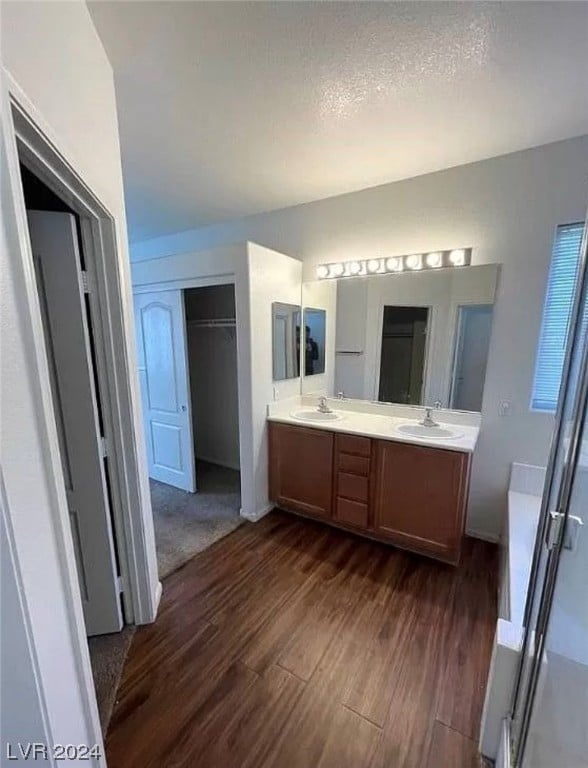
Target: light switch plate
{"points": [[505, 408]]}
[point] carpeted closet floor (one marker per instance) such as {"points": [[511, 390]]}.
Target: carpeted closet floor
{"points": [[185, 524]]}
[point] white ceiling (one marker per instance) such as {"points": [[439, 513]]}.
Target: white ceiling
{"points": [[229, 109]]}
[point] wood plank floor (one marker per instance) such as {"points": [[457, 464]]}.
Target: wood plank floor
{"points": [[290, 644]]}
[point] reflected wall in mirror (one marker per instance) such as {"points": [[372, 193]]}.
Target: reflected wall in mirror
{"points": [[417, 338], [315, 329], [285, 341]]}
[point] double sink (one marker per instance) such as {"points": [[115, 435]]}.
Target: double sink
{"points": [[408, 428]]}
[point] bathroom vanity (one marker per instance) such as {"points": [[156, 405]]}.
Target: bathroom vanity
{"points": [[363, 470]]}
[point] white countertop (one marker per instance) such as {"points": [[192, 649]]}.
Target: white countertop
{"points": [[381, 424]]}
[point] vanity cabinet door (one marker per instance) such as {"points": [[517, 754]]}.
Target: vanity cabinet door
{"points": [[301, 469], [420, 498]]}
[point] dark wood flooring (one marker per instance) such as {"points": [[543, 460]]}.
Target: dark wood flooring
{"points": [[294, 645]]}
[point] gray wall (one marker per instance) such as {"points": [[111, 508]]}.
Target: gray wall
{"points": [[507, 209]]}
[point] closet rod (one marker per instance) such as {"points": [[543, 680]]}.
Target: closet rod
{"points": [[221, 322]]}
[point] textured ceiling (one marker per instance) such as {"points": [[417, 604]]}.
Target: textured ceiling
{"points": [[228, 109]]}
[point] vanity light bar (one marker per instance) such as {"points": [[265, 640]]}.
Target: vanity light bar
{"points": [[386, 265]]}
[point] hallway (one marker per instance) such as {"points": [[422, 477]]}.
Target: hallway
{"points": [[292, 644]]}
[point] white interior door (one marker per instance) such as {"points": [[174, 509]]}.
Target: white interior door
{"points": [[163, 367], [67, 339]]}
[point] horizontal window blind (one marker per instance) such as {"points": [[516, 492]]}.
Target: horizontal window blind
{"points": [[556, 315]]}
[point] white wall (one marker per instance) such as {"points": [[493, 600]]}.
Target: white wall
{"points": [[507, 209], [54, 63], [272, 277]]}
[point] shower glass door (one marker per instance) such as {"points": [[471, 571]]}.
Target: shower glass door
{"points": [[550, 725]]}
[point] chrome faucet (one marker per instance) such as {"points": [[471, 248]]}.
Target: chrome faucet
{"points": [[322, 405], [341, 395], [428, 420]]}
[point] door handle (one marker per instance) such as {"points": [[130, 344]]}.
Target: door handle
{"points": [[556, 520]]}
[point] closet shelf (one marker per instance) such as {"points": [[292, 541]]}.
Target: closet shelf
{"points": [[221, 322]]}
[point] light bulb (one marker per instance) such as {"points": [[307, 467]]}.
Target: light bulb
{"points": [[457, 258], [414, 261], [373, 265], [355, 267], [322, 271], [336, 270], [434, 259], [394, 264]]}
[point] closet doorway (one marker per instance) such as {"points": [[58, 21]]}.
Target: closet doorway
{"points": [[187, 350]]}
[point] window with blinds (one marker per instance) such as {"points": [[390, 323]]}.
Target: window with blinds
{"points": [[556, 314]]}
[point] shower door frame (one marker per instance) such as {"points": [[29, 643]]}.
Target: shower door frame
{"points": [[524, 694]]}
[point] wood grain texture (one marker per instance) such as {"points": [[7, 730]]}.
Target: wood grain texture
{"points": [[420, 497], [451, 748], [301, 469], [290, 643]]}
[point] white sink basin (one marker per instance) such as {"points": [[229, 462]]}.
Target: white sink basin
{"points": [[310, 415], [435, 433]]}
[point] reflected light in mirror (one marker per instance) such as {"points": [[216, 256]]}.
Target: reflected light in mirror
{"points": [[414, 261], [394, 264], [457, 258], [322, 271], [373, 265], [434, 260]]}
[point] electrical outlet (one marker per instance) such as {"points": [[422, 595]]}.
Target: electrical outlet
{"points": [[505, 408]]}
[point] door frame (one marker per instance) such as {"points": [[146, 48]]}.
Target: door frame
{"points": [[426, 363], [28, 140], [206, 281], [457, 326]]}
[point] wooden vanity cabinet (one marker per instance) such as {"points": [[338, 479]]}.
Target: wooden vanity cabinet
{"points": [[409, 495], [353, 481], [301, 469], [420, 498]]}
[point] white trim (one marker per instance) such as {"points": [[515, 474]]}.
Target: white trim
{"points": [[219, 462], [7, 531], [158, 593], [223, 278], [99, 241], [258, 515], [473, 533], [31, 328], [227, 278]]}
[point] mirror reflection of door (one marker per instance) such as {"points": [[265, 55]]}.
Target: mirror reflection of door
{"points": [[474, 327], [402, 361], [315, 321]]}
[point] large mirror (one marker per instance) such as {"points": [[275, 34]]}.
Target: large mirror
{"points": [[412, 338], [285, 340]]}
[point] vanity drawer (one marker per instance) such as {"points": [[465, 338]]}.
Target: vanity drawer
{"points": [[352, 513], [354, 465], [360, 446], [352, 486]]}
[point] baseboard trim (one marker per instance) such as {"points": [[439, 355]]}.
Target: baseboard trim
{"points": [[218, 462], [483, 535], [255, 516], [158, 593]]}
